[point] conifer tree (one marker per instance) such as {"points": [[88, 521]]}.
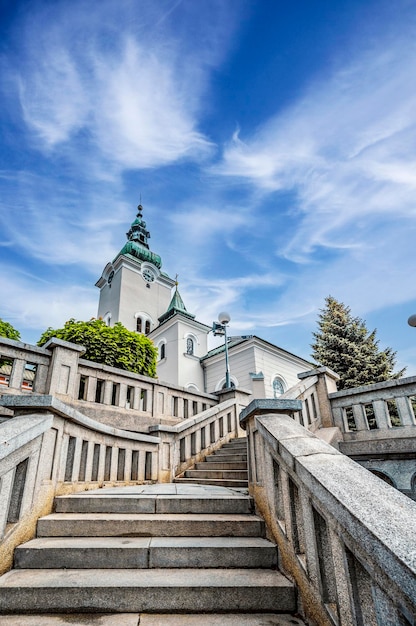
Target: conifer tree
{"points": [[344, 344]]}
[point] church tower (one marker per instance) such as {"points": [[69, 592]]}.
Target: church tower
{"points": [[133, 288]]}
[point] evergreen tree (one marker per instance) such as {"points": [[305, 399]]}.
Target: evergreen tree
{"points": [[344, 344], [112, 345], [7, 330]]}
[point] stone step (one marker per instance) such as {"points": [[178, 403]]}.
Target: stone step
{"points": [[236, 465], [153, 619], [235, 445], [222, 474], [213, 481], [150, 590], [146, 552], [226, 458], [231, 449], [149, 525], [131, 503]]}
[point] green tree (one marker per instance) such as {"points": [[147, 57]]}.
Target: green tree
{"points": [[111, 345], [344, 344], [7, 330]]}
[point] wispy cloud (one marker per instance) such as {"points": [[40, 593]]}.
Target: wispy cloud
{"points": [[133, 90], [346, 147]]}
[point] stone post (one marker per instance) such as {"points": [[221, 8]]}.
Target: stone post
{"points": [[63, 368], [327, 383]]}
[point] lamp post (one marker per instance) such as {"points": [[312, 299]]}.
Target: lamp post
{"points": [[220, 328]]}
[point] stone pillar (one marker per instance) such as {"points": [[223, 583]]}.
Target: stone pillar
{"points": [[63, 369], [327, 383]]}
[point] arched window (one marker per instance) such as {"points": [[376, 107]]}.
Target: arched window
{"points": [[231, 385], [162, 351], [147, 327], [139, 325], [278, 388], [190, 345]]}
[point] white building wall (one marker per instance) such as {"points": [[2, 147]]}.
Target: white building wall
{"points": [[281, 365], [241, 364], [179, 368], [255, 356]]}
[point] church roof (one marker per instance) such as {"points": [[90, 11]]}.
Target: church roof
{"points": [[137, 241], [235, 341], [176, 306]]}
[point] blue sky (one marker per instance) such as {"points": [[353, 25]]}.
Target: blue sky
{"points": [[272, 143]]}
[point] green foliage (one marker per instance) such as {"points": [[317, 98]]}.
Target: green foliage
{"points": [[7, 330], [344, 344], [111, 345]]}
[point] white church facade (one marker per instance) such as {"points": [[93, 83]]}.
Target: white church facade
{"points": [[136, 292]]}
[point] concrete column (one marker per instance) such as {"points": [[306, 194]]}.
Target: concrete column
{"points": [[405, 411], [90, 457], [381, 415], [108, 391], [16, 376], [122, 396], [127, 464], [359, 417]]}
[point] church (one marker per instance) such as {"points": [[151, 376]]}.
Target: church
{"points": [[135, 291]]}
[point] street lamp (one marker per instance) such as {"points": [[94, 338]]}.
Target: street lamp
{"points": [[220, 328], [412, 320]]}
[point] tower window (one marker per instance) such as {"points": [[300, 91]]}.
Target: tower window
{"points": [[189, 346], [147, 327], [139, 325]]}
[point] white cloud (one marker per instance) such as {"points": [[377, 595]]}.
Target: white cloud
{"points": [[358, 126], [123, 81], [33, 304], [345, 150]]}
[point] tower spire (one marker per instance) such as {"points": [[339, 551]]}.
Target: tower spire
{"points": [[138, 231]]}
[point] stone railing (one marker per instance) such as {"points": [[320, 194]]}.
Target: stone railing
{"points": [[346, 537], [192, 440], [376, 411], [47, 449], [119, 398], [379, 429]]}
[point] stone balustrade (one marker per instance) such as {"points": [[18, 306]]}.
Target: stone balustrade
{"points": [[378, 429], [47, 449], [116, 397], [192, 440], [346, 537]]}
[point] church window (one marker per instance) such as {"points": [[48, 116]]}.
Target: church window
{"points": [[189, 346], [162, 351], [147, 327], [139, 325], [278, 388]]}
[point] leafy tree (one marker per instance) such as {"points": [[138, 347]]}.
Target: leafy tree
{"points": [[344, 344], [7, 330], [111, 345]]}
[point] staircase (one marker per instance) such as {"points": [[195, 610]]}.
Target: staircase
{"points": [[226, 467], [157, 554]]}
